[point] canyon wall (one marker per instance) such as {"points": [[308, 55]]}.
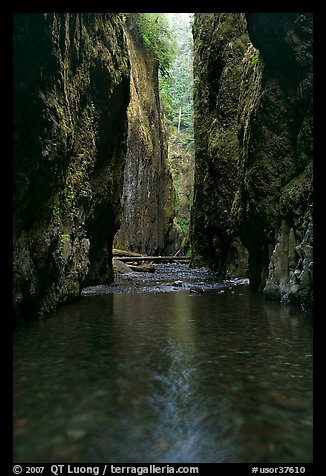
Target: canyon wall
{"points": [[71, 92], [148, 200], [253, 132], [84, 162]]}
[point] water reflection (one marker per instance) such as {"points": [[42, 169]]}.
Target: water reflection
{"points": [[173, 377], [190, 427]]}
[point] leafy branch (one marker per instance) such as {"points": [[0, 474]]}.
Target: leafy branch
{"points": [[153, 31]]}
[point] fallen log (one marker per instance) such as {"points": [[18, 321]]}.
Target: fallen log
{"points": [[155, 259], [117, 252]]}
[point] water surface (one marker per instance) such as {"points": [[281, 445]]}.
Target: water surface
{"points": [[180, 376]]}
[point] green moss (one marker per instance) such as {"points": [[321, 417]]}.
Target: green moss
{"points": [[255, 58], [71, 118], [64, 238], [296, 194]]}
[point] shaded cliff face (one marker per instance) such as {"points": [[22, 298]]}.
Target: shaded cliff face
{"points": [[220, 44], [276, 162], [148, 199], [272, 196], [71, 91]]}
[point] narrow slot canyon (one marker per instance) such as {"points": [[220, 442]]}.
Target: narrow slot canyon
{"points": [[162, 237]]}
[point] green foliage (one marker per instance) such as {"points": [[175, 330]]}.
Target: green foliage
{"points": [[64, 238], [153, 31], [304, 154], [166, 98], [303, 160], [168, 38], [178, 95], [56, 211], [183, 223], [181, 78], [255, 59]]}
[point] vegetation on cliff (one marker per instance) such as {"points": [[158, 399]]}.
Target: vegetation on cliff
{"points": [[220, 44], [179, 116], [153, 32]]}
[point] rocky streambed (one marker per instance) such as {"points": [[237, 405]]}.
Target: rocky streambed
{"points": [[166, 278]]}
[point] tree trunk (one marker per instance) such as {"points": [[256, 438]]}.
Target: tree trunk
{"points": [[179, 121]]}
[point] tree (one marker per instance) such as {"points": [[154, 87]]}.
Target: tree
{"points": [[154, 33], [178, 89]]}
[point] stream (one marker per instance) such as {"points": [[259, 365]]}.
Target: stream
{"points": [[174, 366]]}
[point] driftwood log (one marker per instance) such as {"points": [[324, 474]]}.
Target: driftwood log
{"points": [[154, 259], [138, 262], [117, 252]]}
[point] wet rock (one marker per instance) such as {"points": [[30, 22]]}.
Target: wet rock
{"points": [[120, 266], [196, 290], [178, 283]]}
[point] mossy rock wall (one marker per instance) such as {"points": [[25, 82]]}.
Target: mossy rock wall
{"points": [[221, 42], [71, 92], [276, 137], [264, 190], [148, 199]]}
